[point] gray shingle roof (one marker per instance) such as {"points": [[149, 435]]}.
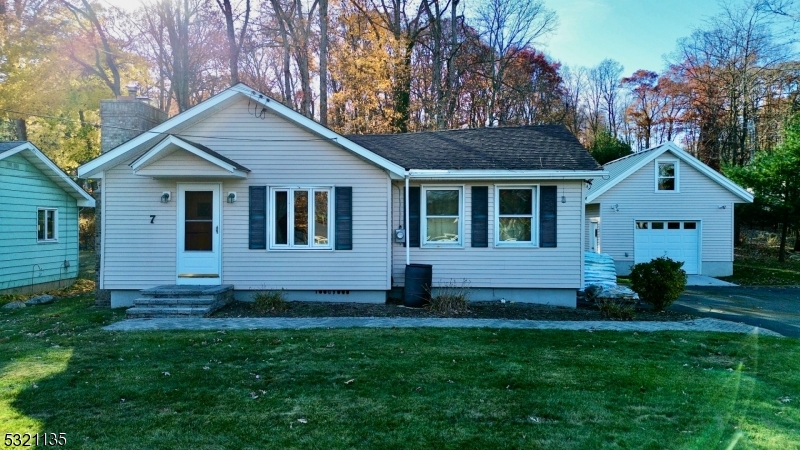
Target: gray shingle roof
{"points": [[538, 147], [8, 145]]}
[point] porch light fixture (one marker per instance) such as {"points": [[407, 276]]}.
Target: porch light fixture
{"points": [[165, 197], [563, 197], [231, 197]]}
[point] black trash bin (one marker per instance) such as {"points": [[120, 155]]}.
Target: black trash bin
{"points": [[417, 291]]}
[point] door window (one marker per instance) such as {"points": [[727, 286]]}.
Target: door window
{"points": [[199, 219]]}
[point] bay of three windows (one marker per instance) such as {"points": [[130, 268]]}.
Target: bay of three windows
{"points": [[300, 218], [515, 212]]}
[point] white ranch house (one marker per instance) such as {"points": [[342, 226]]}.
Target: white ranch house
{"points": [[241, 190]]}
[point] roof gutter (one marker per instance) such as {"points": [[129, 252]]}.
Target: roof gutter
{"points": [[422, 174]]}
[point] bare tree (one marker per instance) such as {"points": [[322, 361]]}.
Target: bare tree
{"points": [[296, 32], [104, 63], [323, 62], [234, 47], [508, 27]]}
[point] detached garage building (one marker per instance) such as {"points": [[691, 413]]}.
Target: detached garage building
{"points": [[664, 202]]}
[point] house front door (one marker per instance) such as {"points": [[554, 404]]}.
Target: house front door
{"points": [[199, 255]]}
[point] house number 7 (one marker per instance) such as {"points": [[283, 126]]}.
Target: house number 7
{"points": [[152, 218]]}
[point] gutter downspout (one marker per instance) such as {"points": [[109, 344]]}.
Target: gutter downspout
{"points": [[405, 224]]}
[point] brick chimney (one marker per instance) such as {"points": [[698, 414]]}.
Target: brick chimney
{"points": [[126, 117], [121, 120]]}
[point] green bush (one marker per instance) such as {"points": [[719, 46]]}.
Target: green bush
{"points": [[270, 301], [658, 282]]}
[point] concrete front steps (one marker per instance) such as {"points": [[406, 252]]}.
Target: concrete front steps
{"points": [[180, 301]]}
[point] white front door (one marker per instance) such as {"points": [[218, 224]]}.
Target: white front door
{"points": [[594, 236], [678, 240], [199, 212]]}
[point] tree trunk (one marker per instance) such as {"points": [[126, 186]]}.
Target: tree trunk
{"points": [[233, 56], [796, 247], [784, 230], [21, 129], [323, 62], [451, 65], [402, 91]]}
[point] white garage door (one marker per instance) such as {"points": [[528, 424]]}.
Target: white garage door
{"points": [[678, 240]]}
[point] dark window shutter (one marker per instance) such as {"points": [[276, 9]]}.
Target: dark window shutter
{"points": [[344, 218], [414, 194], [258, 217], [547, 216], [480, 216]]}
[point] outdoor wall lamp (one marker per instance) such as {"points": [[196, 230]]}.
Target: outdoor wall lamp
{"points": [[231, 197], [165, 197]]}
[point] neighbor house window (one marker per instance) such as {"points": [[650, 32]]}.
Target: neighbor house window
{"points": [[667, 176], [515, 215], [300, 218], [442, 212], [47, 225]]}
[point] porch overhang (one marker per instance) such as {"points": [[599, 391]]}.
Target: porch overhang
{"points": [[160, 162]]}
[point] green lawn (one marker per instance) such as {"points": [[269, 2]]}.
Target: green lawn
{"points": [[757, 265], [391, 388]]}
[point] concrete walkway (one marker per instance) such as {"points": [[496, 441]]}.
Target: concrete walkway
{"points": [[380, 322], [703, 280]]}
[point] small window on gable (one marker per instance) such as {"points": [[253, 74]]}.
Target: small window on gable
{"points": [[47, 225], [667, 176]]}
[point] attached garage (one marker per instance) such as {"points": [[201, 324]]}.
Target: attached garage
{"points": [[677, 240], [663, 202]]}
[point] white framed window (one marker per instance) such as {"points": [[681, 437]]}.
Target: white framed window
{"points": [[47, 225], [442, 216], [300, 218], [667, 175], [515, 216]]}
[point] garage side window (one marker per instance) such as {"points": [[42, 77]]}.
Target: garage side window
{"points": [[667, 176], [47, 225]]}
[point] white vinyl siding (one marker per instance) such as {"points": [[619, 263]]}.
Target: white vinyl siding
{"points": [[502, 267], [139, 254], [699, 199]]}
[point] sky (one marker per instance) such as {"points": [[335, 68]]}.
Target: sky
{"points": [[637, 33]]}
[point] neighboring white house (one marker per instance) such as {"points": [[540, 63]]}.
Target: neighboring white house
{"points": [[242, 190], [663, 202]]}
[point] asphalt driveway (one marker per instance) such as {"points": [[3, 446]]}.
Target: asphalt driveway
{"points": [[773, 308]]}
